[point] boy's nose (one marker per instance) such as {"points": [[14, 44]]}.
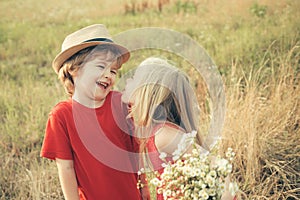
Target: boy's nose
{"points": [[106, 72]]}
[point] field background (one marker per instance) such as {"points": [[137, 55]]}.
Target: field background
{"points": [[255, 45]]}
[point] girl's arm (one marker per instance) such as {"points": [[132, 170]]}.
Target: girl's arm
{"points": [[67, 179], [227, 195]]}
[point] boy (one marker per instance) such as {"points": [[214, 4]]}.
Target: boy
{"points": [[87, 135]]}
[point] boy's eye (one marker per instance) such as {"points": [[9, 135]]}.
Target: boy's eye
{"points": [[101, 66], [113, 72]]}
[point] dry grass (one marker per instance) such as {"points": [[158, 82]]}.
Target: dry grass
{"points": [[262, 125]]}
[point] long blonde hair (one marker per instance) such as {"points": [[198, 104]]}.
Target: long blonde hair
{"points": [[163, 93]]}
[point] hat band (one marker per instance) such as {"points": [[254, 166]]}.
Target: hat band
{"points": [[99, 40]]}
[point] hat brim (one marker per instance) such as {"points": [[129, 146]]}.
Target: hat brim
{"points": [[65, 55]]}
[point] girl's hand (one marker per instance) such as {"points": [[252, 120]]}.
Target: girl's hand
{"points": [[145, 192]]}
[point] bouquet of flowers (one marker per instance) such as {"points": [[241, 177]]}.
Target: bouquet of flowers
{"points": [[195, 175]]}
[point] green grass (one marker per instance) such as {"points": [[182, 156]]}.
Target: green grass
{"points": [[257, 55]]}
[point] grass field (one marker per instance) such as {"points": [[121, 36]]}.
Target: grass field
{"points": [[255, 44]]}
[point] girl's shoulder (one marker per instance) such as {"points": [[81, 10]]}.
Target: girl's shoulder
{"points": [[167, 137], [168, 132]]}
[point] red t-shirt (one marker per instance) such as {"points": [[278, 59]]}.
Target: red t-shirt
{"points": [[98, 141]]}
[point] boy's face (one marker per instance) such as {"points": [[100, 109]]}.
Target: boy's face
{"points": [[95, 79]]}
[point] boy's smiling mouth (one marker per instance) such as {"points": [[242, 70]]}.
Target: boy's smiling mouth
{"points": [[102, 84]]}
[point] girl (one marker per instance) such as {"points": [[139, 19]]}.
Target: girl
{"points": [[164, 108]]}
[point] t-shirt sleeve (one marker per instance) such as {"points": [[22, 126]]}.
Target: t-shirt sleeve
{"points": [[56, 142]]}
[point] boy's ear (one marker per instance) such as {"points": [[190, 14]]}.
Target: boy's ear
{"points": [[74, 75], [77, 72]]}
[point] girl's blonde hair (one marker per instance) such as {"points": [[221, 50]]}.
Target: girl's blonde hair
{"points": [[70, 67], [163, 94]]}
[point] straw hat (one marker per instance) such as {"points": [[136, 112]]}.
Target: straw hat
{"points": [[92, 35]]}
